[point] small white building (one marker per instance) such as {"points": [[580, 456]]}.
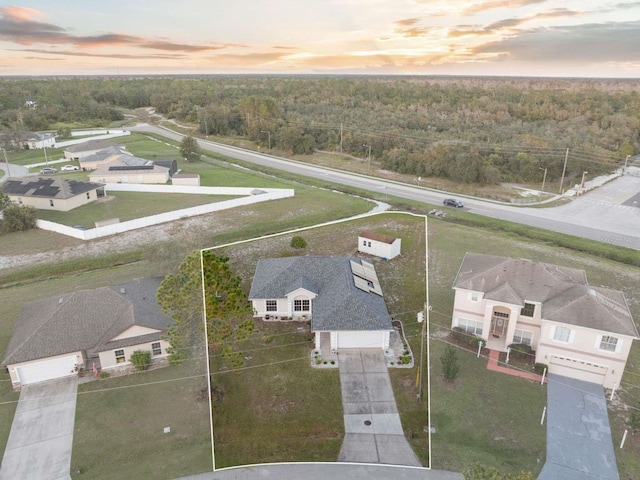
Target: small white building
{"points": [[380, 245], [191, 179]]}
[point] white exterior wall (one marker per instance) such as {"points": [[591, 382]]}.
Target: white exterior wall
{"points": [[580, 351], [260, 307], [108, 358], [360, 339], [13, 374], [379, 249], [191, 181]]}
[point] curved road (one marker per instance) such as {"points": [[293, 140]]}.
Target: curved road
{"points": [[604, 219]]}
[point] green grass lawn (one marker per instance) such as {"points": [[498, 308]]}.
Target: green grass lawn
{"points": [[121, 420], [129, 206]]}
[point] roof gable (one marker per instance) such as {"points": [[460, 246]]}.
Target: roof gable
{"points": [[339, 304]]}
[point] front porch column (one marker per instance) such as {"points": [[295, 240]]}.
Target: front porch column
{"points": [[486, 326]]}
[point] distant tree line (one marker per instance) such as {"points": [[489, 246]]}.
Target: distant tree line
{"points": [[472, 130]]}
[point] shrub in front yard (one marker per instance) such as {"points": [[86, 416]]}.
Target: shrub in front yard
{"points": [[520, 350], [464, 337], [140, 359], [450, 364]]}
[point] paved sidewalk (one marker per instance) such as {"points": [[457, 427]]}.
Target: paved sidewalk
{"points": [[579, 445], [39, 445], [373, 432], [494, 356]]}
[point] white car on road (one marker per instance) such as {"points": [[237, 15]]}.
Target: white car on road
{"points": [[69, 168]]}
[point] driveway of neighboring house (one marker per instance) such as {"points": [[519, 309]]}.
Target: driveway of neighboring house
{"points": [[39, 445], [373, 432], [579, 445]]}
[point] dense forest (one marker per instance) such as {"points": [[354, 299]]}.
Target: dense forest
{"points": [[468, 129]]}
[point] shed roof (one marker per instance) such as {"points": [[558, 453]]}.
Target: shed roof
{"points": [[379, 237]]}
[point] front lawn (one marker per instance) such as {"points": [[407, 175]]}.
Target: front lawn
{"points": [[121, 422]]}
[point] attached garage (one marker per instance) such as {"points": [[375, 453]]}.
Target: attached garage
{"points": [[47, 370], [363, 339], [579, 369]]}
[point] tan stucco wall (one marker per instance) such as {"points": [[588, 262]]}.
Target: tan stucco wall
{"points": [[152, 177], [108, 358], [583, 347], [60, 205], [14, 366]]}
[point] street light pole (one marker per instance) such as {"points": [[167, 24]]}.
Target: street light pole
{"points": [[544, 178], [564, 169], [626, 161], [268, 132], [369, 158]]}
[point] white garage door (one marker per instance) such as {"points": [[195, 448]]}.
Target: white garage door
{"points": [[360, 339], [47, 370], [579, 369]]}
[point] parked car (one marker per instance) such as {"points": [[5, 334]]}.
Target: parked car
{"points": [[69, 168], [452, 202], [47, 170]]}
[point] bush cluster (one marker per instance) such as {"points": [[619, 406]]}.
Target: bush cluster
{"points": [[462, 336], [520, 350]]}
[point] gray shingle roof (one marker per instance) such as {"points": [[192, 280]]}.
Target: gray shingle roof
{"points": [[84, 320], [339, 304], [90, 145], [47, 187], [564, 292]]}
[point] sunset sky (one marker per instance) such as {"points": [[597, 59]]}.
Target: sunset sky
{"points": [[591, 38]]}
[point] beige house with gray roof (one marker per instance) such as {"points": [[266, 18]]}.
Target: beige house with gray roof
{"points": [[576, 329], [51, 193], [60, 336]]}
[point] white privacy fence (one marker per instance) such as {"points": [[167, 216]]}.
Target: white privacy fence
{"points": [[253, 196]]}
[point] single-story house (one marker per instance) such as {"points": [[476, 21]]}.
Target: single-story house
{"points": [[340, 296], [378, 244], [29, 140], [576, 329], [118, 173], [101, 157], [51, 193], [84, 149], [60, 336]]}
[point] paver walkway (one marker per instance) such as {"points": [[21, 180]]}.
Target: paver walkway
{"points": [[39, 445], [579, 445], [494, 356], [373, 432]]}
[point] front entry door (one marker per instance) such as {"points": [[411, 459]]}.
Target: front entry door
{"points": [[499, 323]]}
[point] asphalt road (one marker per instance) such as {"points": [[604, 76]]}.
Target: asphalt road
{"points": [[613, 222]]}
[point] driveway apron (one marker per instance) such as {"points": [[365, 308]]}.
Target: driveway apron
{"points": [[39, 445], [579, 445], [373, 432]]}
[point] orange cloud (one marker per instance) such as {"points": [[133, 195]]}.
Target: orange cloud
{"points": [[20, 13]]}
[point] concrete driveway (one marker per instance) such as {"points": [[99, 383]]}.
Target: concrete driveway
{"points": [[579, 445], [39, 445], [373, 432]]}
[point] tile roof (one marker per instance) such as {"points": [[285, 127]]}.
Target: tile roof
{"points": [[564, 293], [84, 320], [339, 304], [47, 187]]}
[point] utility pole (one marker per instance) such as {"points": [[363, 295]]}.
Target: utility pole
{"points": [[626, 161], [369, 158], [46, 160], [268, 132], [341, 138], [6, 160], [544, 178], [564, 169]]}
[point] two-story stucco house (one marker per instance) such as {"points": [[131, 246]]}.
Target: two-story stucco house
{"points": [[578, 330], [340, 296]]}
